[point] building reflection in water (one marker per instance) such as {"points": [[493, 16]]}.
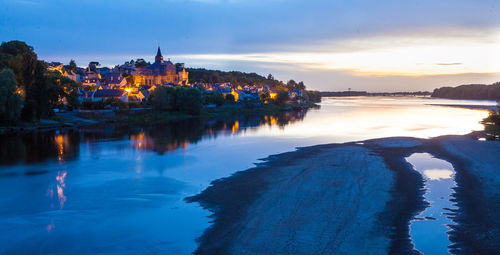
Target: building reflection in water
{"points": [[63, 145], [164, 138], [61, 185], [38, 146]]}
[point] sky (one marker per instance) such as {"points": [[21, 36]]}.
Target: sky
{"points": [[331, 45]]}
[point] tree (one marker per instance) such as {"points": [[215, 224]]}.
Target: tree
{"points": [[312, 96], [301, 86], [10, 101], [236, 78], [61, 89], [291, 85], [39, 90], [72, 65], [270, 77], [264, 96], [188, 100], [21, 59], [129, 78], [141, 63], [282, 97], [230, 98], [214, 98], [163, 99]]}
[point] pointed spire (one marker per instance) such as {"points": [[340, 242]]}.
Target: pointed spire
{"points": [[159, 57], [158, 54]]}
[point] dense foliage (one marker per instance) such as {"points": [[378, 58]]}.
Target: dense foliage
{"points": [[487, 92], [10, 101], [61, 88], [312, 96], [282, 97], [215, 99], [186, 100], [493, 118], [492, 124], [163, 99], [40, 91], [230, 99], [292, 85], [201, 75]]}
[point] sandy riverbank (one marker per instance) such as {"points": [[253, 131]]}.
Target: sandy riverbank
{"points": [[353, 198], [471, 107]]}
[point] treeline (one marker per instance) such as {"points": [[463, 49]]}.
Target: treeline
{"points": [[343, 93], [312, 96], [191, 100], [364, 93], [180, 99], [202, 75], [473, 91], [27, 90]]}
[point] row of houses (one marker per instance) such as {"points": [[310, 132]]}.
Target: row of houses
{"points": [[246, 92], [119, 94], [132, 82], [160, 72]]}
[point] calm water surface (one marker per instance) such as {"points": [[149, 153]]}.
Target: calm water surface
{"points": [[115, 190], [429, 230]]}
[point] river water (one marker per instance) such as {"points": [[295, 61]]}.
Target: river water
{"points": [[120, 190]]}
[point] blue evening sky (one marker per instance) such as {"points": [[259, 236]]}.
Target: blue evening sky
{"points": [[331, 45]]}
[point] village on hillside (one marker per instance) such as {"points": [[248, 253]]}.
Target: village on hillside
{"points": [[134, 81]]}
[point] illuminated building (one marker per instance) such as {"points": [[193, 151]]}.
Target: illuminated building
{"points": [[162, 73]]}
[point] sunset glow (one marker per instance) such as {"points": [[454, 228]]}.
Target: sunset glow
{"points": [[406, 56]]}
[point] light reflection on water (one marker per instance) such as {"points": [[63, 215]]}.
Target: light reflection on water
{"points": [[438, 174], [359, 119], [120, 190], [429, 230]]}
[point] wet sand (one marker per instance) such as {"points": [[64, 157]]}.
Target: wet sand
{"points": [[353, 198], [471, 107]]}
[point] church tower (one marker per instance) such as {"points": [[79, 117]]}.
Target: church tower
{"points": [[159, 57]]}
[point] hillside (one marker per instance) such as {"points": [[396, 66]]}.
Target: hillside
{"points": [[234, 77], [473, 91]]}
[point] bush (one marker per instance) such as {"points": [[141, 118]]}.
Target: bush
{"points": [[90, 105], [230, 99], [163, 99], [312, 96], [115, 102], [134, 104], [214, 98], [10, 101], [188, 100], [282, 97], [264, 96]]}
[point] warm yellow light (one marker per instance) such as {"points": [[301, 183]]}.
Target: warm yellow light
{"points": [[273, 95], [236, 127], [235, 95], [389, 117], [128, 90]]}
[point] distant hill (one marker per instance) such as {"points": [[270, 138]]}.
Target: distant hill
{"points": [[473, 91], [234, 77], [343, 93], [364, 93]]}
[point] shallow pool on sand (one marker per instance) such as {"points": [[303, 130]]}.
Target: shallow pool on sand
{"points": [[430, 229]]}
